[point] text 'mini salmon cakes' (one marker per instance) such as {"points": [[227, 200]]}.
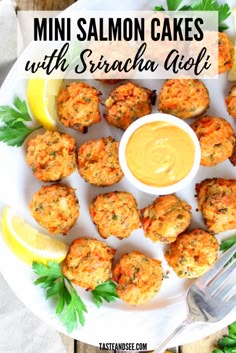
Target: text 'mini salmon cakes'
{"points": [[127, 103], [138, 278], [230, 102], [51, 156], [98, 162], [78, 106], [184, 98], [115, 213], [216, 137], [88, 262], [193, 253], [217, 202], [55, 207], [165, 218]]}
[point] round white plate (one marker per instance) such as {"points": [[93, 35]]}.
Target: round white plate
{"points": [[115, 322]]}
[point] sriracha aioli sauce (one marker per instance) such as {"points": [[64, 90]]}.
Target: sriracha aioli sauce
{"points": [[160, 154]]}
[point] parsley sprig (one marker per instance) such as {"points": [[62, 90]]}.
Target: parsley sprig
{"points": [[226, 244], [13, 131], [227, 344], [70, 307], [200, 5], [105, 291]]}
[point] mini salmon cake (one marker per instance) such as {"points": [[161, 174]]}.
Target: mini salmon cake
{"points": [[115, 213], [78, 106], [55, 207], [110, 81], [138, 278], [230, 102], [225, 53], [217, 202], [98, 162], [233, 157], [126, 104], [88, 262], [51, 156], [165, 218], [216, 137], [184, 98], [193, 253]]}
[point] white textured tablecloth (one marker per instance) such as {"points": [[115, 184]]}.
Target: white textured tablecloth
{"points": [[20, 330]]}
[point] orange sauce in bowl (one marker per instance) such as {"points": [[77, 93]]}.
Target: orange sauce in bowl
{"points": [[160, 154]]}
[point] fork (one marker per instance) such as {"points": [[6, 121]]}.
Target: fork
{"points": [[211, 297]]}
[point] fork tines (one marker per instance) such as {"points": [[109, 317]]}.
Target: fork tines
{"points": [[212, 274]]}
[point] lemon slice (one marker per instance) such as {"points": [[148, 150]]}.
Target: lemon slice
{"points": [[27, 243], [41, 97], [232, 71]]}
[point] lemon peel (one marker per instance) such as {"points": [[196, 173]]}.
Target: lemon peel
{"points": [[27, 243], [41, 98]]}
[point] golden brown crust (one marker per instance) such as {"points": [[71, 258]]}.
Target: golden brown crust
{"points": [[78, 106], [98, 162], [165, 218], [225, 53], [230, 102], [127, 103], [138, 277], [55, 207], [51, 156], [216, 137], [115, 213], [88, 262], [193, 253], [233, 157], [217, 202], [184, 98]]}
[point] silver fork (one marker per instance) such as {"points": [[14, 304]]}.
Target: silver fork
{"points": [[211, 297]]}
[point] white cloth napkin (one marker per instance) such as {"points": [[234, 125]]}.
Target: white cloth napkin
{"points": [[20, 330]]}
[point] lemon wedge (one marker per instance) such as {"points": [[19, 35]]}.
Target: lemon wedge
{"points": [[27, 243], [41, 97], [232, 71]]}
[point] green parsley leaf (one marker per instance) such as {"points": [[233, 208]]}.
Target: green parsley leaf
{"points": [[232, 330], [173, 5], [227, 344], [226, 244], [223, 27], [185, 8], [212, 5], [200, 5], [10, 115], [70, 306], [15, 135], [13, 131], [74, 311], [159, 8], [21, 106], [52, 270], [105, 291]]}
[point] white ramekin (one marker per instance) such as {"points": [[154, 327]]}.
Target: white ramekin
{"points": [[165, 189]]}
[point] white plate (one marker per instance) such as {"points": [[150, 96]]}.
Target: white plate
{"points": [[116, 322]]}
